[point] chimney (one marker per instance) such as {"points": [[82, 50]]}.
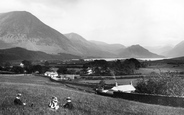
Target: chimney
{"points": [[131, 83], [116, 84]]}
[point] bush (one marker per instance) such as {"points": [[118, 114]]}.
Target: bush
{"points": [[163, 85], [17, 69], [101, 84]]}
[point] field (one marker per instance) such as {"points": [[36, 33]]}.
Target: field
{"points": [[112, 81], [38, 90], [147, 71], [161, 66]]}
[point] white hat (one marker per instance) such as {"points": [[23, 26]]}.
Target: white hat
{"points": [[55, 99], [68, 99], [19, 94]]}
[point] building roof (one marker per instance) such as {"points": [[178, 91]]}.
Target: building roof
{"points": [[124, 88]]}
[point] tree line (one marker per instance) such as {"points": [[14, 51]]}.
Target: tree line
{"points": [[118, 67]]}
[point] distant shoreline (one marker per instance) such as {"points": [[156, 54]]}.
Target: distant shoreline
{"points": [[113, 59]]}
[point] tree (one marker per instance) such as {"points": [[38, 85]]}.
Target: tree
{"points": [[62, 70], [46, 64], [17, 69], [37, 68], [101, 84], [100, 67], [164, 85], [7, 64], [133, 63], [27, 66]]}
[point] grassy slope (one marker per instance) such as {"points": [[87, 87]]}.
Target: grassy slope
{"points": [[38, 90]]}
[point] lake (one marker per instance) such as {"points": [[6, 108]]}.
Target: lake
{"points": [[113, 59]]}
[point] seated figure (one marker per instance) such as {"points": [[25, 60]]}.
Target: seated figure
{"points": [[68, 104], [54, 103], [17, 100]]}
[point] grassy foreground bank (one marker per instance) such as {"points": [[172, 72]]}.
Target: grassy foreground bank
{"points": [[38, 93]]}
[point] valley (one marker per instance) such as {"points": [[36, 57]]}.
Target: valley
{"points": [[40, 62]]}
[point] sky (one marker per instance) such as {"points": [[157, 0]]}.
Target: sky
{"points": [[152, 23]]}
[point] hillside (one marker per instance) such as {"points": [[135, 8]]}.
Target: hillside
{"points": [[160, 50], [137, 51], [22, 29], [23, 54], [38, 91], [113, 48], [177, 51], [86, 48]]}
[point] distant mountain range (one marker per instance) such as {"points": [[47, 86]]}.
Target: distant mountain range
{"points": [[177, 51], [86, 48], [109, 50], [17, 53], [22, 29], [113, 48], [137, 51], [160, 50]]}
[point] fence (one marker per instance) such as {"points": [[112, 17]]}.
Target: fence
{"points": [[152, 99]]}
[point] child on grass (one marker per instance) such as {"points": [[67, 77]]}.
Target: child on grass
{"points": [[54, 103], [68, 104], [17, 100]]}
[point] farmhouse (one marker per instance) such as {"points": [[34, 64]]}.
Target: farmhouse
{"points": [[117, 88], [51, 74], [124, 88]]}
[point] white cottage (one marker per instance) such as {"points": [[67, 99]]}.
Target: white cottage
{"points": [[124, 88]]}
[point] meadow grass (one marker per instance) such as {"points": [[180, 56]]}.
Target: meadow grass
{"points": [[149, 70], [39, 90]]}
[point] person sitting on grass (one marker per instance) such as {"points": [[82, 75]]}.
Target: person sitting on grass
{"points": [[68, 104], [17, 100], [54, 103]]}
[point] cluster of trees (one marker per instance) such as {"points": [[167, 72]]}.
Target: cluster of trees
{"points": [[25, 67], [98, 67], [64, 70], [125, 67], [119, 67], [169, 85]]}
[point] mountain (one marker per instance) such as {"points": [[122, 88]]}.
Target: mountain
{"points": [[177, 51], [22, 29], [161, 50], [18, 53], [137, 51], [113, 48], [86, 47]]}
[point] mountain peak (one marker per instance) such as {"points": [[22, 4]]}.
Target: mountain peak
{"points": [[20, 12], [136, 46], [21, 28], [137, 51], [75, 36], [22, 15], [19, 22]]}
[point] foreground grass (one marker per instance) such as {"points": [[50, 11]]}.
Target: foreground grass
{"points": [[39, 94]]}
